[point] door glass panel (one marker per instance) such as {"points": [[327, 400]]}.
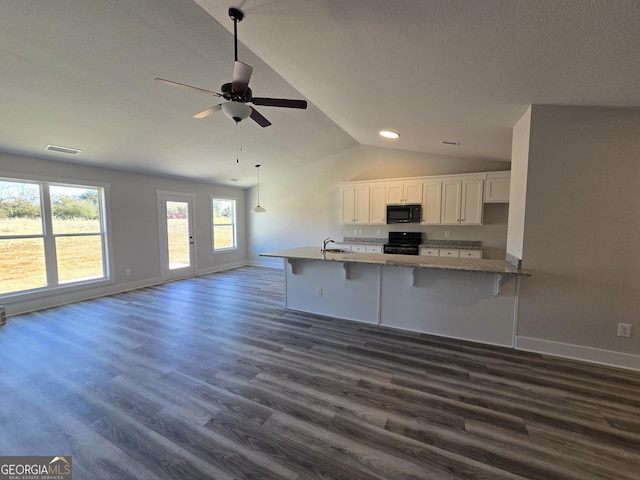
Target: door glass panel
{"points": [[178, 234]]}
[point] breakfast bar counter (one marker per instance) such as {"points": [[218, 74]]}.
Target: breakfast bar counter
{"points": [[472, 299], [412, 261]]}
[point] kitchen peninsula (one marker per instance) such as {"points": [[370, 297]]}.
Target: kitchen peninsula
{"points": [[471, 299]]}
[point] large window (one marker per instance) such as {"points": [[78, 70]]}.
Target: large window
{"points": [[224, 224], [51, 234]]}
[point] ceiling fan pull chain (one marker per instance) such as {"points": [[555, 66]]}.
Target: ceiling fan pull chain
{"points": [[237, 142]]}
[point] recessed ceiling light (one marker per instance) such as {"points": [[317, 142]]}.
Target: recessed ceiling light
{"points": [[389, 134]]}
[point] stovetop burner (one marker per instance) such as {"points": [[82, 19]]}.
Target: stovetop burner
{"points": [[405, 238], [403, 243]]}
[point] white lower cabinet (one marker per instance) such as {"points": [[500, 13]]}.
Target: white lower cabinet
{"points": [[360, 248], [450, 252], [470, 253]]}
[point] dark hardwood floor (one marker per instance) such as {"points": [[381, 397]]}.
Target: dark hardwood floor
{"points": [[210, 378]]}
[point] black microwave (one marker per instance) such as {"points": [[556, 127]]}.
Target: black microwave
{"points": [[404, 213]]}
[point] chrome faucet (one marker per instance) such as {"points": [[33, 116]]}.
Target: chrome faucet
{"points": [[325, 242]]}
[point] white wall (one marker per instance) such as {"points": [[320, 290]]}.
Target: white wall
{"points": [[581, 234], [134, 223], [303, 203], [518, 190]]}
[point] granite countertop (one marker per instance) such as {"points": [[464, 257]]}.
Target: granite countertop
{"points": [[413, 261]]}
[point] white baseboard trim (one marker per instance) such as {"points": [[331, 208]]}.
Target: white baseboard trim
{"points": [[221, 268], [578, 352], [266, 263], [57, 300]]}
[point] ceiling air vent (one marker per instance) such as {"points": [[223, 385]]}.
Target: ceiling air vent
{"points": [[59, 149]]}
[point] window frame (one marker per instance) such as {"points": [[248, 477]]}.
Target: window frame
{"points": [[213, 198], [54, 286]]}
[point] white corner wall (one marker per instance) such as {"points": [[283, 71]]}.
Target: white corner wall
{"points": [[518, 191], [581, 234]]}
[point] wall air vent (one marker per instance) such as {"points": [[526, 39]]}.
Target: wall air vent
{"points": [[59, 149]]}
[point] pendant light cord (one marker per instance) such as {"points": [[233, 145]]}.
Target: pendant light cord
{"points": [[258, 172]]}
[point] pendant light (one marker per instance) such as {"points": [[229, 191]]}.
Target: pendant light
{"points": [[258, 208]]}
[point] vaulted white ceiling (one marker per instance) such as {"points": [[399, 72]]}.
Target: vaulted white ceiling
{"points": [[79, 73]]}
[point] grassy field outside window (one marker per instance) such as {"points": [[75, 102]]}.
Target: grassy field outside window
{"points": [[224, 224], [38, 253]]}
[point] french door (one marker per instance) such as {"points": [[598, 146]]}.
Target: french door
{"points": [[175, 213]]}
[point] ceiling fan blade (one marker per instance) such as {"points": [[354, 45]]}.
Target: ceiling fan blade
{"points": [[241, 77], [207, 112], [182, 85], [279, 102], [258, 118]]}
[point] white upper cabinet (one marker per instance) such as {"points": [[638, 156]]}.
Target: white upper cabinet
{"points": [[462, 200], [445, 199], [404, 192], [471, 203], [377, 204], [431, 202], [363, 204], [355, 204], [496, 187]]}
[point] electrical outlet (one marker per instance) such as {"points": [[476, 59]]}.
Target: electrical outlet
{"points": [[447, 233], [624, 329], [127, 272], [355, 231], [319, 291]]}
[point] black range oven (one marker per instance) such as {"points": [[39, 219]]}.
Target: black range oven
{"points": [[403, 243]]}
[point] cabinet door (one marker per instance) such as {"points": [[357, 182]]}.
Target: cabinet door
{"points": [[430, 252], [471, 202], [413, 192], [449, 252], [362, 204], [348, 203], [431, 202], [374, 249], [359, 248], [395, 192], [378, 205], [496, 187], [470, 253], [451, 195]]}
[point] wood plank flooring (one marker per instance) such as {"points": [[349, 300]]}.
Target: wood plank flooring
{"points": [[210, 378]]}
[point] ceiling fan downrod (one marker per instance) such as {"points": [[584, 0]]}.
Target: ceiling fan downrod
{"points": [[237, 16]]}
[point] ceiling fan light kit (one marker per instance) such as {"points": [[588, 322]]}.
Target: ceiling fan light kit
{"points": [[237, 92], [236, 111]]}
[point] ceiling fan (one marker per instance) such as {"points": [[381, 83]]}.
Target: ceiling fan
{"points": [[237, 92]]}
